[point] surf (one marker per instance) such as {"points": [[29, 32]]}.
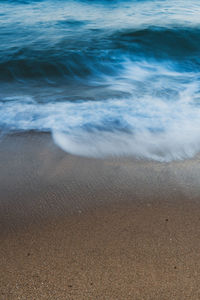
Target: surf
{"points": [[103, 84]]}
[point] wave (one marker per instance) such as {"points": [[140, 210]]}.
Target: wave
{"points": [[159, 119], [176, 44], [64, 59], [104, 77]]}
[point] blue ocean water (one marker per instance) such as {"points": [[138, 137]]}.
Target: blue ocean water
{"points": [[104, 77]]}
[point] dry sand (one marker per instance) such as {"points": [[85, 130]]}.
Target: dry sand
{"points": [[86, 229]]}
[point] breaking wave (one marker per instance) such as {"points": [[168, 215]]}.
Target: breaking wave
{"points": [[104, 77]]}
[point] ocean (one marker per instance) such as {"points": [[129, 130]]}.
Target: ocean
{"points": [[105, 78]]}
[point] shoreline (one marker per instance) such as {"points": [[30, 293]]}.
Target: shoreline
{"points": [[80, 228]]}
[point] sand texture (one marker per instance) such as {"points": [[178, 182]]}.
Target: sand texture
{"points": [[79, 228]]}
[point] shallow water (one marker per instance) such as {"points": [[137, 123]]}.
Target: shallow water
{"points": [[104, 77]]}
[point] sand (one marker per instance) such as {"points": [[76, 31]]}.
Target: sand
{"points": [[80, 228]]}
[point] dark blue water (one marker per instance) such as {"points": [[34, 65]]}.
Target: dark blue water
{"points": [[104, 77]]}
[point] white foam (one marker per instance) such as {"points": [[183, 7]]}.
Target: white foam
{"points": [[158, 120]]}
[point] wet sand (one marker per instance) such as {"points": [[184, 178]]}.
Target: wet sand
{"points": [[79, 228]]}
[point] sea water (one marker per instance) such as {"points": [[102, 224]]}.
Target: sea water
{"points": [[103, 77]]}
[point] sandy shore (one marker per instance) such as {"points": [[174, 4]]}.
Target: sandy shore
{"points": [[78, 228]]}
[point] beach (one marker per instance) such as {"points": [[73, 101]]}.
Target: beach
{"points": [[85, 228], [99, 150]]}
